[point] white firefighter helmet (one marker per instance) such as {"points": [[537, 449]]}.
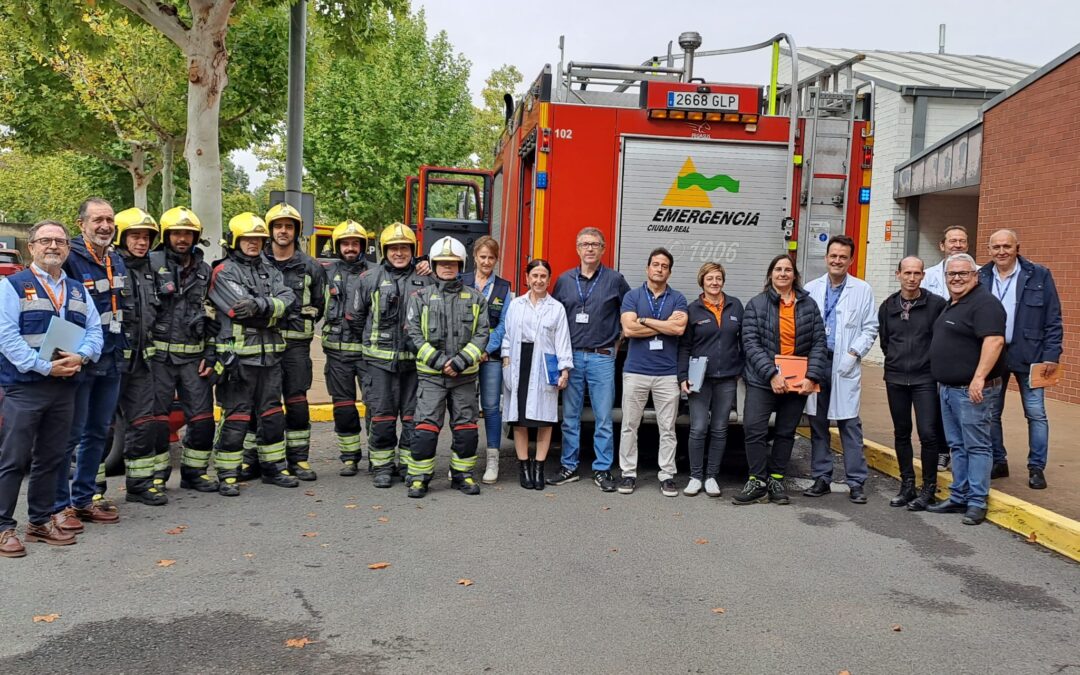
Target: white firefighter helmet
{"points": [[448, 249]]}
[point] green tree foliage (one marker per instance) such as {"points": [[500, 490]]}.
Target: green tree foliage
{"points": [[34, 188], [373, 119], [491, 119]]}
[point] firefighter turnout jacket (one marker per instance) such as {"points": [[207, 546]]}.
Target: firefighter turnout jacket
{"points": [[180, 333], [256, 340], [378, 314], [343, 348]]}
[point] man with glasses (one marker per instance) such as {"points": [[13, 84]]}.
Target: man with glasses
{"points": [[967, 360], [592, 296], [39, 392]]}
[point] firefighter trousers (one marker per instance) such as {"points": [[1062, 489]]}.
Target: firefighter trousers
{"points": [[435, 396], [146, 438], [295, 383], [389, 396], [251, 394], [180, 382], [343, 375]]}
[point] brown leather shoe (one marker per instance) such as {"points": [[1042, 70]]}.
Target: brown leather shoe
{"points": [[10, 546], [49, 533], [98, 511], [67, 521]]}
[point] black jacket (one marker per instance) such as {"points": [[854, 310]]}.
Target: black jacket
{"points": [[906, 344], [722, 344], [761, 337]]}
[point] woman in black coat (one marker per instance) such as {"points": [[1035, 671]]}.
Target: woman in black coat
{"points": [[713, 332], [783, 320]]}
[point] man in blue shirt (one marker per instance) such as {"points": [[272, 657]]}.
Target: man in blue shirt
{"points": [[592, 296], [1033, 334], [653, 318], [39, 393]]}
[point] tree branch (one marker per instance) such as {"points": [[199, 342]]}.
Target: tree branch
{"points": [[169, 24], [237, 117]]}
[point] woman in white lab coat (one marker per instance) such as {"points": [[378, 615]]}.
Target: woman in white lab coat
{"points": [[535, 326]]}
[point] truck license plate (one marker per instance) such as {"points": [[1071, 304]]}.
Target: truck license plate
{"points": [[699, 101]]}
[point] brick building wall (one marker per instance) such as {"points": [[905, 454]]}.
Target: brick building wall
{"points": [[1031, 183]]}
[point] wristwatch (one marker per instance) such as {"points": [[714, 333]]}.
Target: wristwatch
{"points": [[85, 360], [641, 320]]}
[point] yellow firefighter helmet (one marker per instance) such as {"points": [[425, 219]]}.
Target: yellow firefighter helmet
{"points": [[349, 229], [180, 218], [396, 233], [246, 224], [283, 210], [135, 219]]}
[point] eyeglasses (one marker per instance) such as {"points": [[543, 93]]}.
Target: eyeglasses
{"points": [[590, 244], [959, 275], [48, 242]]}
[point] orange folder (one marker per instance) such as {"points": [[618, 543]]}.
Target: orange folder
{"points": [[1036, 376], [793, 369]]}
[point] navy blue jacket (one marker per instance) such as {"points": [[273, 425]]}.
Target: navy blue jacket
{"points": [[722, 344], [82, 268], [1037, 329]]}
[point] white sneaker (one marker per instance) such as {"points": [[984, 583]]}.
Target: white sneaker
{"points": [[692, 488], [491, 474], [712, 488]]}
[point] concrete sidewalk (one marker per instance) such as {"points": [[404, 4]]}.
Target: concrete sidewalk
{"points": [[1062, 470]]}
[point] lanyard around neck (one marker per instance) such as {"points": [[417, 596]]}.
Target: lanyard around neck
{"points": [[108, 271], [58, 303]]}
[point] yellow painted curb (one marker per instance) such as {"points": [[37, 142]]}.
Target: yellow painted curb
{"points": [[320, 412], [1042, 526]]}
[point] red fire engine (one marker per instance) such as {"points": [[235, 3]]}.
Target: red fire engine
{"points": [[653, 156]]}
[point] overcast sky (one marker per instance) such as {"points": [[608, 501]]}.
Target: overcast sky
{"points": [[526, 34]]}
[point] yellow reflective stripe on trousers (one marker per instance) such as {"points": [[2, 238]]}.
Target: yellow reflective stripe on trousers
{"points": [[274, 452], [227, 460], [143, 467], [420, 467], [194, 458], [462, 463], [380, 457]]}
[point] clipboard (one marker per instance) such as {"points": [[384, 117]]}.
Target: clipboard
{"points": [[696, 372], [1036, 379], [793, 369], [551, 367], [63, 335]]}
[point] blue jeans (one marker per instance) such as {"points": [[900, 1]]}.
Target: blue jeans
{"points": [[1034, 401], [967, 428], [95, 405], [490, 395], [597, 373]]}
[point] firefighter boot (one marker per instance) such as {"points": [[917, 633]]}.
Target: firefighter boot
{"points": [[349, 468], [464, 481], [303, 471], [151, 497], [250, 469], [278, 474], [417, 486], [192, 478], [228, 486]]}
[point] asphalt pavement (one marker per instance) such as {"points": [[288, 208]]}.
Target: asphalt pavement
{"points": [[564, 580]]}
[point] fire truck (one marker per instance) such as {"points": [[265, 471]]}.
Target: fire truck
{"points": [[654, 156]]}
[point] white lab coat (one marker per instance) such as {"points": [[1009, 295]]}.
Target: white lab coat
{"points": [[856, 330], [934, 280], [547, 322]]}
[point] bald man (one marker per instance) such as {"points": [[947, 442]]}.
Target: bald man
{"points": [[1033, 333]]}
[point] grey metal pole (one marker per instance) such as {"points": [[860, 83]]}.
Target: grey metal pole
{"points": [[294, 134]]}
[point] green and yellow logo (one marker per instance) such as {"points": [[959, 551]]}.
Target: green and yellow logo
{"points": [[691, 189]]}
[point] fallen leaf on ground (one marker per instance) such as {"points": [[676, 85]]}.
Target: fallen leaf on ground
{"points": [[175, 530], [378, 566], [310, 534], [614, 550], [844, 672], [350, 506], [419, 507], [383, 519], [1032, 538], [605, 508], [678, 514], [46, 618], [550, 496], [717, 610], [312, 515], [249, 556], [897, 627], [701, 541], [464, 582], [166, 563], [376, 507], [309, 493], [325, 545], [298, 643]]}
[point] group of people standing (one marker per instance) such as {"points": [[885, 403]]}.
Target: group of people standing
{"points": [[421, 339]]}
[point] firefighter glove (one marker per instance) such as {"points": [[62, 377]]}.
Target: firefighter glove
{"points": [[246, 308]]}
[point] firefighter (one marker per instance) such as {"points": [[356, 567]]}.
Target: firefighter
{"points": [[342, 346], [146, 439], [250, 296], [307, 280], [184, 351], [378, 314], [449, 323]]}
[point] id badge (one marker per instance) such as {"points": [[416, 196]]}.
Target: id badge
{"points": [[828, 330], [581, 317], [656, 345], [114, 326]]}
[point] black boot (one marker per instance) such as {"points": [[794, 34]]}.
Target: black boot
{"points": [[302, 470], [906, 493], [925, 498], [539, 479], [525, 466], [227, 484], [383, 476], [465, 482], [417, 486], [197, 479], [277, 474]]}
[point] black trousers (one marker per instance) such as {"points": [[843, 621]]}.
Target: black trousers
{"points": [[251, 395], [36, 421], [760, 404], [146, 440], [343, 375], [295, 383], [196, 397], [924, 398], [389, 396]]}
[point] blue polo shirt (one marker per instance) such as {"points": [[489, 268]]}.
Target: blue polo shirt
{"points": [[641, 359], [598, 297]]}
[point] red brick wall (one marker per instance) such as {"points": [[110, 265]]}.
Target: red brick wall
{"points": [[1031, 183]]}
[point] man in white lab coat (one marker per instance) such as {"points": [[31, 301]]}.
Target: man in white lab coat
{"points": [[851, 325]]}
